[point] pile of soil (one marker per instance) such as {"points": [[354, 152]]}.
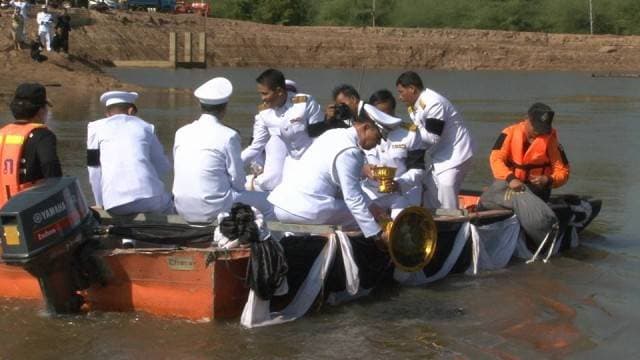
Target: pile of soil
{"points": [[100, 38]]}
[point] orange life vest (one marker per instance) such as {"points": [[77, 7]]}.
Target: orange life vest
{"points": [[535, 160], [12, 139]]}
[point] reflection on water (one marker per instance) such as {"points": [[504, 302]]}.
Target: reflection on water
{"points": [[582, 304]]}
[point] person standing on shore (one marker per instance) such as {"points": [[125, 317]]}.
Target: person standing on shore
{"points": [[63, 27], [28, 149], [24, 7], [125, 160], [17, 29], [445, 137], [45, 27]]}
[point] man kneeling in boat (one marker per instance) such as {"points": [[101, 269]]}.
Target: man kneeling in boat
{"points": [[529, 154], [402, 150], [209, 173], [27, 147], [325, 187]]}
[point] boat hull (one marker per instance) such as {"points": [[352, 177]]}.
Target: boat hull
{"points": [[195, 284], [201, 284]]}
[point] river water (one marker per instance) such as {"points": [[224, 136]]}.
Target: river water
{"points": [[580, 305]]}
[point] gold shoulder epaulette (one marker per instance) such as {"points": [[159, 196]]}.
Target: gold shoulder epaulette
{"points": [[299, 99], [422, 104], [409, 126], [262, 107]]}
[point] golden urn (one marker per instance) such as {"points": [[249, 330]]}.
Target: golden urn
{"points": [[384, 175]]}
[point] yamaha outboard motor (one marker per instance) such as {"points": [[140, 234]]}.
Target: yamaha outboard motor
{"points": [[43, 230]]}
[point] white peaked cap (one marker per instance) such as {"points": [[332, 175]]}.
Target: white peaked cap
{"points": [[381, 118], [118, 97], [291, 85], [214, 92]]}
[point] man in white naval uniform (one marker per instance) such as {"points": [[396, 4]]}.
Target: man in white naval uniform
{"points": [[401, 150], [326, 188], [445, 137], [126, 160], [45, 27], [267, 167], [209, 174], [282, 114]]}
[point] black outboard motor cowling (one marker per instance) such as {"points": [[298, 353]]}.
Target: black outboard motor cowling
{"points": [[42, 229]]}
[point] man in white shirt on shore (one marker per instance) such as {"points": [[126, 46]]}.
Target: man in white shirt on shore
{"points": [[45, 27]]}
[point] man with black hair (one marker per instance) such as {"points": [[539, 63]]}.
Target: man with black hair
{"points": [[402, 150], [445, 137], [126, 160], [341, 113], [28, 151], [209, 173], [529, 154], [284, 114], [266, 168]]}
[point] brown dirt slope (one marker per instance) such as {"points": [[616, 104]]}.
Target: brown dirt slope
{"points": [[100, 38]]}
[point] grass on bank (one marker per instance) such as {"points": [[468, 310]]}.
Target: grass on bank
{"points": [[620, 17]]}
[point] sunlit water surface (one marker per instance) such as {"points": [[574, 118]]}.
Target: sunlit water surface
{"points": [[583, 304]]}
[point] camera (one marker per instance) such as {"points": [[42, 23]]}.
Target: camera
{"points": [[343, 113]]}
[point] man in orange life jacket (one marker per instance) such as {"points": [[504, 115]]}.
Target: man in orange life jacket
{"points": [[529, 154], [27, 147]]}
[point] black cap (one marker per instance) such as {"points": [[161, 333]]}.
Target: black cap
{"points": [[541, 116], [31, 94]]}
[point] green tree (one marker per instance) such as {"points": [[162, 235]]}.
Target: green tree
{"points": [[285, 12], [353, 12]]}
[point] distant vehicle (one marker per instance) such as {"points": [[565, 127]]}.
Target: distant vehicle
{"points": [[183, 7], [102, 5], [159, 5], [201, 8]]}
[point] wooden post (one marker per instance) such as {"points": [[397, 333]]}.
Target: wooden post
{"points": [[203, 49], [187, 47], [172, 49]]}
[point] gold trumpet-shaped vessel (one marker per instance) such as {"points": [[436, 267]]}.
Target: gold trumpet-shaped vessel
{"points": [[412, 238], [384, 175]]}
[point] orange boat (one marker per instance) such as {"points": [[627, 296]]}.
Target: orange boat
{"points": [[192, 283], [196, 282]]}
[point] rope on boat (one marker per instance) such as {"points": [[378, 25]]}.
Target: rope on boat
{"points": [[553, 230]]}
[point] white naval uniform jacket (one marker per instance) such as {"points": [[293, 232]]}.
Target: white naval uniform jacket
{"points": [[23, 6], [45, 22], [289, 122], [328, 173], [393, 152], [208, 168], [131, 161], [454, 146]]}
